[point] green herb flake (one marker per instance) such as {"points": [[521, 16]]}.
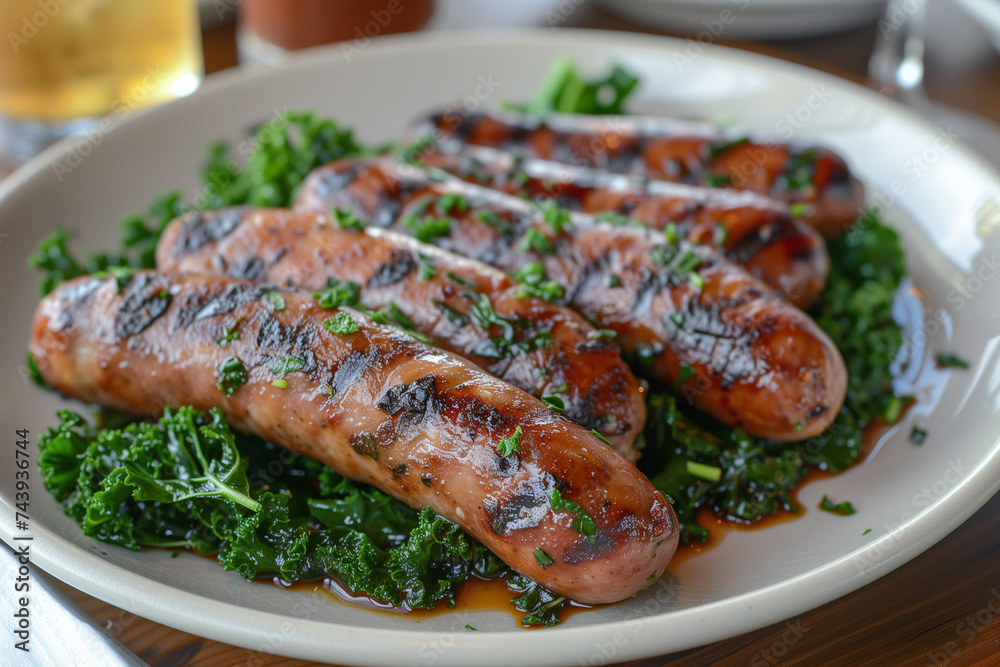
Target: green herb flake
{"points": [[718, 150], [918, 435], [229, 333], [798, 210], [720, 234], [337, 294], [461, 281], [280, 384], [867, 530], [469, 627], [282, 366], [598, 334], [544, 560], [555, 403], [843, 509], [341, 325], [612, 218], [685, 374], [427, 269], [346, 219], [508, 446], [948, 360], [703, 471], [533, 283], [426, 228], [597, 434], [582, 522], [614, 281], [273, 300], [456, 318], [561, 389], [534, 240], [447, 203], [231, 374], [556, 217], [718, 180]]}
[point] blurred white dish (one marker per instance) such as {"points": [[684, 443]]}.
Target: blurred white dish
{"points": [[709, 20]]}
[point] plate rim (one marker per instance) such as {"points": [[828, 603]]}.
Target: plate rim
{"points": [[352, 644]]}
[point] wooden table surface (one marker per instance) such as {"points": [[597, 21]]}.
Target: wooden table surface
{"points": [[938, 609]]}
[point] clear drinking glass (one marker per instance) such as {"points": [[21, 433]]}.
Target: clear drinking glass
{"points": [[68, 63]]}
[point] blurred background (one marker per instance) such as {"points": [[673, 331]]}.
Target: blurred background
{"points": [[75, 66]]}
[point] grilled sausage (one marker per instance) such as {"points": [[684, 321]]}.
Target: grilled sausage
{"points": [[688, 317], [541, 347], [376, 405], [670, 150], [754, 231]]}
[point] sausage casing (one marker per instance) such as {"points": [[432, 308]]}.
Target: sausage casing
{"points": [[754, 231], [670, 150], [378, 406], [688, 317], [552, 351]]}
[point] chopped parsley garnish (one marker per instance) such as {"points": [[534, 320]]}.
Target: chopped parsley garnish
{"points": [[458, 280], [346, 219], [273, 300], [495, 221], [555, 403], [612, 218], [544, 560], [534, 240], [685, 374], [426, 227], [392, 316], [282, 366], [561, 389], [597, 434], [582, 522], [918, 435], [456, 318], [679, 263], [798, 210], [555, 216], [843, 509], [703, 471], [798, 173], [508, 446], [948, 360], [613, 280], [720, 234], [716, 151], [484, 316], [533, 283], [341, 325], [867, 530], [427, 268], [718, 180], [338, 293], [601, 333], [447, 203], [231, 374], [229, 332]]}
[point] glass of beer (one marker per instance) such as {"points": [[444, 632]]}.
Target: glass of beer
{"points": [[65, 64]]}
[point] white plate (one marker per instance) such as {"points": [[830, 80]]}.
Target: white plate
{"points": [[944, 201], [710, 20]]}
